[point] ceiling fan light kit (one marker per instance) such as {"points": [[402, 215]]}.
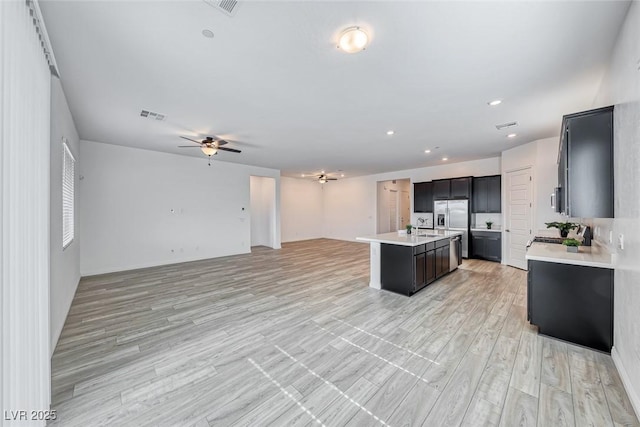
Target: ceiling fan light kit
{"points": [[353, 39], [209, 146]]}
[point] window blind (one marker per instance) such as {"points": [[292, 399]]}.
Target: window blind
{"points": [[68, 195]]}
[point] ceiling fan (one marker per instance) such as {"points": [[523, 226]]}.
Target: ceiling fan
{"points": [[209, 146], [322, 177]]}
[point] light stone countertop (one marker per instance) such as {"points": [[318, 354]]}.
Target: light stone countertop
{"points": [[494, 230], [588, 256], [409, 240]]}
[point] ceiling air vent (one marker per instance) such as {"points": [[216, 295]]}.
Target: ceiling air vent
{"points": [[506, 125], [228, 7], [152, 115]]}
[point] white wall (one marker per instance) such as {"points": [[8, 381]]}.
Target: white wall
{"points": [[143, 208], [302, 209], [64, 264], [621, 86], [383, 200], [541, 156], [350, 204], [263, 211]]}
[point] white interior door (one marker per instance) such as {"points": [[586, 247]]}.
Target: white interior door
{"points": [[405, 209], [518, 216], [393, 210]]}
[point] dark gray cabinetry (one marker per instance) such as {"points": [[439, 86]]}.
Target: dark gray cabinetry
{"points": [[571, 302], [585, 164], [423, 197], [406, 269], [460, 188], [486, 245], [442, 258], [441, 189], [487, 197]]}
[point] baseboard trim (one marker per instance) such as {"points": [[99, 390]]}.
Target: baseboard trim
{"points": [[626, 381]]}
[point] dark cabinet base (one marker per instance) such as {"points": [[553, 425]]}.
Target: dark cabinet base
{"points": [[573, 303], [406, 269]]}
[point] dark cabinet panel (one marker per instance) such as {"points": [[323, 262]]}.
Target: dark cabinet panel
{"points": [[494, 194], [430, 266], [419, 275], [487, 196], [573, 303], [441, 189], [442, 261], [397, 268], [585, 164], [479, 201], [423, 197], [460, 188], [486, 245]]}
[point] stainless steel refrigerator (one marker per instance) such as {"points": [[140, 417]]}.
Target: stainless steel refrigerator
{"points": [[453, 215]]}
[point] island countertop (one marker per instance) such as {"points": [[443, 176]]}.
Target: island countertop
{"points": [[409, 239], [588, 256]]}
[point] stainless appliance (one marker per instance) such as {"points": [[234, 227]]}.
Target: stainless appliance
{"points": [[455, 252], [453, 215]]}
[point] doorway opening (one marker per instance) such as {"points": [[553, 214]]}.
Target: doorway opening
{"points": [[393, 205], [262, 191]]}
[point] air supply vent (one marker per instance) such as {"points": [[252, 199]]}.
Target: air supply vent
{"points": [[152, 115], [506, 125], [228, 7]]}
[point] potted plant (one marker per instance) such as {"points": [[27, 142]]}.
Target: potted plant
{"points": [[571, 244], [409, 227], [489, 224], [564, 227]]}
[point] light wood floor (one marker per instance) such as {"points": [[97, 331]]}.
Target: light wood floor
{"points": [[296, 337]]}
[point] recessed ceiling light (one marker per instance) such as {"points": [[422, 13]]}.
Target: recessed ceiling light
{"points": [[427, 151], [207, 33], [353, 40], [390, 132], [322, 171], [303, 175], [444, 159], [495, 102], [512, 135], [341, 175]]}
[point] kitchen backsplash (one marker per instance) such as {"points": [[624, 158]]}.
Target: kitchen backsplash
{"points": [[479, 220]]}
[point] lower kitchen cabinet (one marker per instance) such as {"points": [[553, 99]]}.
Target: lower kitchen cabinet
{"points": [[486, 245], [441, 258], [407, 269], [571, 302]]}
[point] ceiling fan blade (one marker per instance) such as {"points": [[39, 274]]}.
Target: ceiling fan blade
{"points": [[233, 150], [188, 146], [192, 140], [332, 179]]}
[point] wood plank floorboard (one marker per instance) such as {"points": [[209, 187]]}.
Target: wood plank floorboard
{"points": [[296, 337]]}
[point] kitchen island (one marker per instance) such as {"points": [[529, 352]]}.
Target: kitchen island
{"points": [[407, 263]]}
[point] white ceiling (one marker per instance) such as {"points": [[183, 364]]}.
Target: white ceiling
{"points": [[273, 79]]}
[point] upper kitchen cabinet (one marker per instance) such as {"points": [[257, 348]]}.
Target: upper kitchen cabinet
{"points": [[585, 164], [423, 197], [460, 188], [455, 188], [441, 189], [487, 197]]}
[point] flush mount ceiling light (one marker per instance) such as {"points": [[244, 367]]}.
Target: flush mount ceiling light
{"points": [[427, 151], [390, 132], [512, 135], [494, 102], [353, 39], [444, 159]]}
